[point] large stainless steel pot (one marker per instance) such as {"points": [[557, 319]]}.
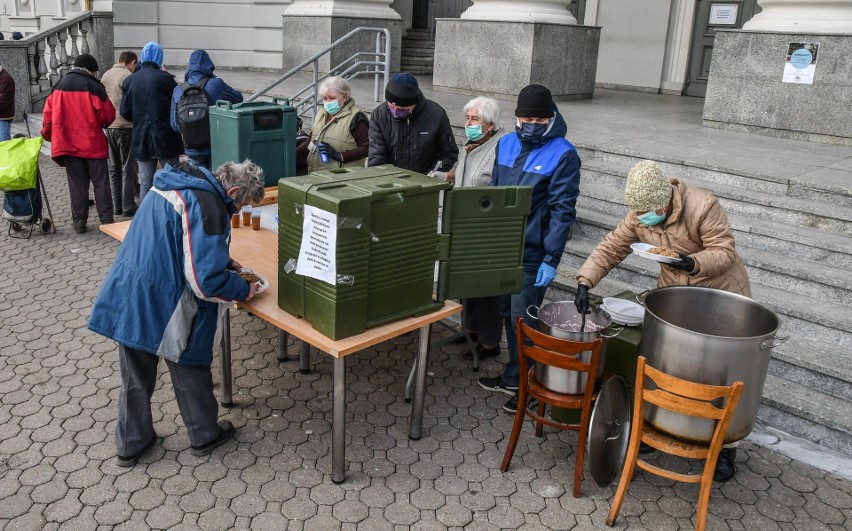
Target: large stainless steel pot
{"points": [[550, 319], [713, 337]]}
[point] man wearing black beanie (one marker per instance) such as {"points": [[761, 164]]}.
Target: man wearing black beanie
{"points": [[75, 115], [410, 131], [537, 155]]}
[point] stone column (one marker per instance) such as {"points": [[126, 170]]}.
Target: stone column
{"points": [[746, 91], [311, 25], [803, 16], [498, 47]]}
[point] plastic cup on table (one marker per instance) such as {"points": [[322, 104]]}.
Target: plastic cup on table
{"points": [[255, 219], [235, 220], [246, 211]]}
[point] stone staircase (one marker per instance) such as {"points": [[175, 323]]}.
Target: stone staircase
{"points": [[418, 52], [796, 241]]}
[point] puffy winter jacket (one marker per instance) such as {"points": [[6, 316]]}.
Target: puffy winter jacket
{"points": [[147, 103], [697, 227], [162, 294], [416, 142], [75, 114], [200, 66], [551, 166]]}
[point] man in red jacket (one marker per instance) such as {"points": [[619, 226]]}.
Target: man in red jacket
{"points": [[75, 114]]}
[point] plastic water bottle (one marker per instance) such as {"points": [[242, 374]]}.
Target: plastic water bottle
{"points": [[324, 157]]}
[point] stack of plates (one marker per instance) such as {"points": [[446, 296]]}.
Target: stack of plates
{"points": [[624, 312]]}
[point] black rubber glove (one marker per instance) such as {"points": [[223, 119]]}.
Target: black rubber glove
{"points": [[686, 263], [581, 301], [332, 153]]}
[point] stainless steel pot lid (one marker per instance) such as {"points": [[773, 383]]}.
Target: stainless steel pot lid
{"points": [[609, 431]]}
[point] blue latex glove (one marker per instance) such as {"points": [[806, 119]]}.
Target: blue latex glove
{"points": [[546, 274]]}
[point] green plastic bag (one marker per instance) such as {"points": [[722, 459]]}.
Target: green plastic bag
{"points": [[19, 163]]}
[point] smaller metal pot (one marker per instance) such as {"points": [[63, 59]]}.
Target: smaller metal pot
{"points": [[550, 319]]}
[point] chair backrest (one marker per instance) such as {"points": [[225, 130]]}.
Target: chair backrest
{"points": [[556, 352], [686, 397]]}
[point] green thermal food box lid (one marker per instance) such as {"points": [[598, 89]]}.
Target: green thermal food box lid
{"points": [[384, 247], [264, 132]]}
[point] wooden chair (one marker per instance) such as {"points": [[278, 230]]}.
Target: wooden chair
{"points": [[562, 354], [689, 398]]}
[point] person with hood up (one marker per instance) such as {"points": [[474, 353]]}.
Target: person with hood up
{"points": [[75, 115], [537, 155], [147, 104], [200, 70], [410, 131], [163, 295]]}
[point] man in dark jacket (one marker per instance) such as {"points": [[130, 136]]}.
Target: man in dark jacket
{"points": [[199, 69], [410, 131], [162, 299], [147, 103], [537, 155], [75, 114], [7, 104]]}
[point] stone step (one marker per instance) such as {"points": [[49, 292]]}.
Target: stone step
{"points": [[814, 364], [418, 70], [417, 51], [796, 211], [417, 60], [807, 412], [821, 281], [823, 190], [801, 316]]}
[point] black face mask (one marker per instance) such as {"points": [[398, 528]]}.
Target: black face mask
{"points": [[531, 131]]}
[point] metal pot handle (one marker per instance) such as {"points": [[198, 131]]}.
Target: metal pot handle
{"points": [[536, 311], [640, 297], [778, 341], [618, 329]]}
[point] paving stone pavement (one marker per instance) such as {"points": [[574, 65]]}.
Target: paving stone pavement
{"points": [[59, 382]]}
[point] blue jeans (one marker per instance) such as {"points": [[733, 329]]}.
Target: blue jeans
{"points": [[5, 130], [512, 306], [146, 173]]}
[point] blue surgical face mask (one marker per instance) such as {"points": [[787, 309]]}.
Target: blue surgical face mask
{"points": [[651, 218], [531, 131], [473, 132], [331, 107]]}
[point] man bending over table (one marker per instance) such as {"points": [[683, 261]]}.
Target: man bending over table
{"points": [[162, 296]]}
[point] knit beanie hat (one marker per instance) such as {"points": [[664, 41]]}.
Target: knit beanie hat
{"points": [[535, 101], [86, 61], [402, 90], [647, 189]]}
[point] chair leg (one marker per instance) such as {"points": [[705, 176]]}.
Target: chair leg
{"points": [[704, 492], [581, 450], [520, 413], [539, 425], [626, 474]]}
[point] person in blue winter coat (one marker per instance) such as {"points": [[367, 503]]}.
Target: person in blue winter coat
{"points": [[162, 297], [537, 155], [199, 69]]}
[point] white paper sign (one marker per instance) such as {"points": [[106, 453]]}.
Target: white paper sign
{"points": [[800, 65], [318, 253], [723, 14]]}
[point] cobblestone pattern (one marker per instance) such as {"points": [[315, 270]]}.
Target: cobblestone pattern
{"points": [[58, 386]]}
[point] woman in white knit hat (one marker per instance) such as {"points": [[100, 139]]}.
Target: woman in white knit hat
{"points": [[688, 220]]}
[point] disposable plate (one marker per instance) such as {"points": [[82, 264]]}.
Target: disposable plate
{"points": [[642, 250]]}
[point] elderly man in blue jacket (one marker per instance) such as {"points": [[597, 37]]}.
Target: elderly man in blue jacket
{"points": [[537, 155], [199, 72], [162, 296]]}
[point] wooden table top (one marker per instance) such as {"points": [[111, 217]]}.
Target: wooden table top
{"points": [[258, 250]]}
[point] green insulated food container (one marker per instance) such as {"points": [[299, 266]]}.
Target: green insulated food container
{"points": [[388, 242], [264, 132]]}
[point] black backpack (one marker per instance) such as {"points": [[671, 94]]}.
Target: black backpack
{"points": [[192, 115]]}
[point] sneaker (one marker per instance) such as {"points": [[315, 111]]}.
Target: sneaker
{"points": [[484, 353], [511, 405], [128, 461], [497, 384], [725, 468], [226, 432]]}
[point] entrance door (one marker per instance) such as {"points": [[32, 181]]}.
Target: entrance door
{"points": [[711, 15], [420, 15]]}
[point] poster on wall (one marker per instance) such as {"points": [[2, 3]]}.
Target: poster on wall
{"points": [[723, 14], [800, 64]]}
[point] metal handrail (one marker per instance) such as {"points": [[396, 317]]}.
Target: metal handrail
{"points": [[379, 68]]}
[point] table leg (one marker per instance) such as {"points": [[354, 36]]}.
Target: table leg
{"points": [[282, 345], [338, 423], [422, 364], [227, 390], [305, 357], [410, 382]]}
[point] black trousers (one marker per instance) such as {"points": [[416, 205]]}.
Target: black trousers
{"points": [[80, 173]]}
